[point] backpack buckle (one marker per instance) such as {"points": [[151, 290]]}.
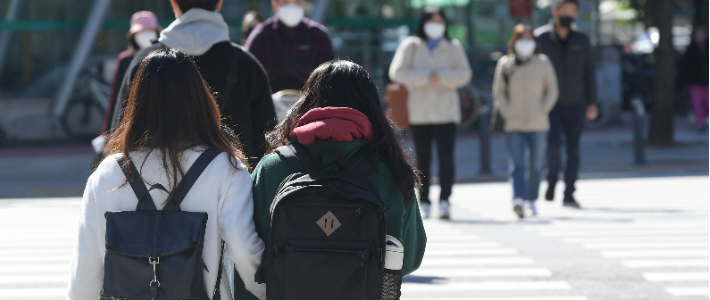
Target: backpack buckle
{"points": [[155, 263]]}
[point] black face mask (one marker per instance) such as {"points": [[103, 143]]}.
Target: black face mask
{"points": [[566, 21]]}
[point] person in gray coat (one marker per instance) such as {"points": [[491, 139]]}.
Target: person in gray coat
{"points": [[572, 56]]}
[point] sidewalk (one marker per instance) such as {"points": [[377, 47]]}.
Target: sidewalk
{"points": [[52, 171], [606, 152]]}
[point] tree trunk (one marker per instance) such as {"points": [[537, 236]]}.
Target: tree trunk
{"points": [[661, 131]]}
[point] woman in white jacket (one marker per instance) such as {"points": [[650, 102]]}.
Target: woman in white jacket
{"points": [[525, 90], [169, 120], [433, 66]]}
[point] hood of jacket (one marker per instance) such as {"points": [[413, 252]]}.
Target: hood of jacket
{"points": [[195, 32]]}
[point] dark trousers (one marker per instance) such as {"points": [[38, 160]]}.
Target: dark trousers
{"points": [[445, 136], [567, 120]]}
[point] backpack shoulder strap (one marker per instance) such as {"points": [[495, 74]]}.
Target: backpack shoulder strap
{"points": [[231, 78], [296, 156], [145, 201], [362, 162], [190, 178]]}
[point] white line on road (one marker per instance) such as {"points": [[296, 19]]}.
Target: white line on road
{"points": [[656, 253], [620, 232], [468, 252], [33, 293], [487, 286], [688, 291], [476, 261], [503, 298], [485, 272], [465, 245], [658, 263], [645, 245], [635, 239], [676, 276]]}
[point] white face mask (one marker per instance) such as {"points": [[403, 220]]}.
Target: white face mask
{"points": [[290, 14], [434, 30], [145, 38], [524, 48]]}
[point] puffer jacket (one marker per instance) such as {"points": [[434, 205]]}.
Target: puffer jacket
{"points": [[412, 65], [529, 93]]}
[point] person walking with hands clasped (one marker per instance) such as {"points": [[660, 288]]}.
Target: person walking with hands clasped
{"points": [[172, 197], [525, 90], [433, 66]]}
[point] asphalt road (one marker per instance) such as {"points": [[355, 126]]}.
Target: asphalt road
{"points": [[636, 238]]}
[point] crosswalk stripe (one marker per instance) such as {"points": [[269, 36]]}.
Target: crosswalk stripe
{"points": [[37, 279], [475, 261], [464, 245], [688, 291], [32, 293], [469, 252], [655, 263], [34, 259], [676, 276], [487, 286], [30, 268], [35, 251], [645, 245], [485, 272], [622, 232], [503, 298], [656, 253], [636, 239], [451, 239]]}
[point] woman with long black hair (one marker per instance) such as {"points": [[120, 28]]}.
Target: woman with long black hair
{"points": [[339, 110], [433, 66], [170, 119]]}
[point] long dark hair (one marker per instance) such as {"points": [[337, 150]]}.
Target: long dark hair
{"points": [[427, 14], [340, 83], [170, 109]]}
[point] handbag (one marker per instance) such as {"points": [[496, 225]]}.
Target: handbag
{"points": [[396, 96], [497, 124]]}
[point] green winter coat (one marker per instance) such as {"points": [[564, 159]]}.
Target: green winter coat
{"points": [[403, 220]]}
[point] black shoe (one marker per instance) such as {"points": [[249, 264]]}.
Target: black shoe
{"points": [[550, 194], [570, 202]]}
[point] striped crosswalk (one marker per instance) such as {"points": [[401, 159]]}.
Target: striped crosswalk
{"points": [[635, 239]]}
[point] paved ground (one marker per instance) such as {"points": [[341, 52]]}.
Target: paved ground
{"points": [[62, 170], [644, 238]]}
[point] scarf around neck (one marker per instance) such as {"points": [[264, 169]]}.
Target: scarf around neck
{"points": [[341, 124], [195, 32]]}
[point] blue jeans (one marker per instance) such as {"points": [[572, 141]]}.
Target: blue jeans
{"points": [[525, 157]]}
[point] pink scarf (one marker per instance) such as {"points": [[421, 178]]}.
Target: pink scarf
{"points": [[341, 124]]}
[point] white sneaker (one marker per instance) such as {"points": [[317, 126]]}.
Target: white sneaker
{"points": [[425, 209], [531, 207], [444, 210], [518, 208]]}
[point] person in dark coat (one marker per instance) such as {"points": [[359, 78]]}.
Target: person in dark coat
{"points": [[572, 56], [144, 30], [695, 62], [289, 45], [201, 32]]}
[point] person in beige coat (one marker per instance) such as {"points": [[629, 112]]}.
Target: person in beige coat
{"points": [[433, 66], [525, 90]]}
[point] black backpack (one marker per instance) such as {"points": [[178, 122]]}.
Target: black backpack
{"points": [[327, 233], [157, 254]]}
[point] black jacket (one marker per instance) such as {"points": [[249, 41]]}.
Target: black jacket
{"points": [[574, 65], [695, 63], [250, 110]]}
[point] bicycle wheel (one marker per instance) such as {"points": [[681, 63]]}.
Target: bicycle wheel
{"points": [[82, 119]]}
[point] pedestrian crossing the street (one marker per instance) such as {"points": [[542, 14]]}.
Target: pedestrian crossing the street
{"points": [[634, 239]]}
